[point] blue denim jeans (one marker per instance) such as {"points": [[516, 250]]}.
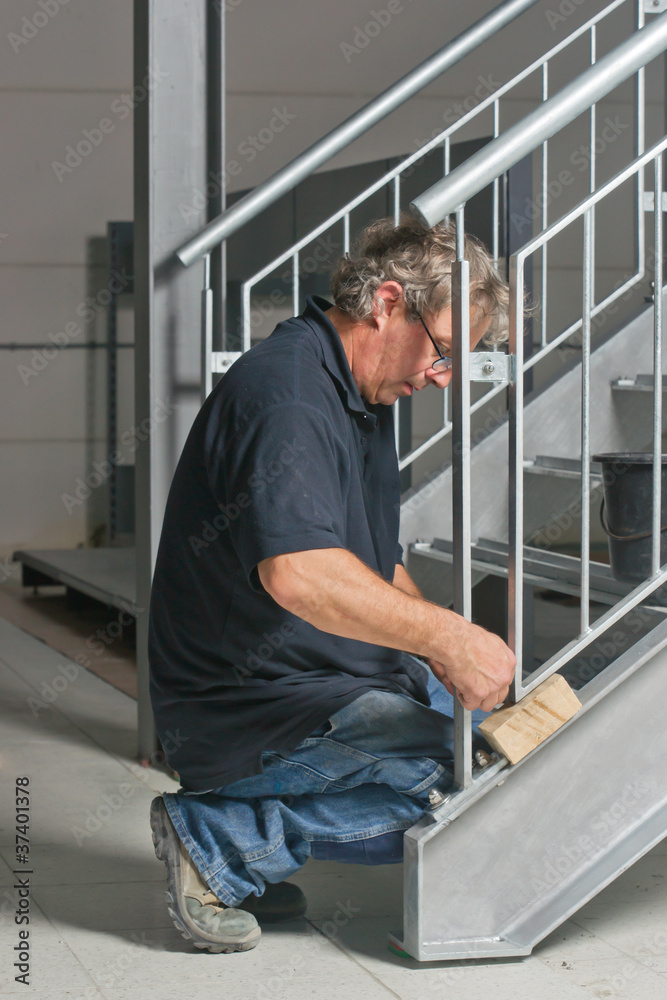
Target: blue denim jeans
{"points": [[363, 775]]}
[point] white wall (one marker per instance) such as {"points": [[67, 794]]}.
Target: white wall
{"points": [[71, 73]]}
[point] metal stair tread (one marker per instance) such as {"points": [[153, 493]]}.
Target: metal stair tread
{"points": [[563, 468], [552, 570], [640, 383]]}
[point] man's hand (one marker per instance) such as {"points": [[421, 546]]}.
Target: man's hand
{"points": [[481, 669]]}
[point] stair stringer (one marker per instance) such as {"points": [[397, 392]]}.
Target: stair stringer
{"points": [[567, 820], [551, 427]]}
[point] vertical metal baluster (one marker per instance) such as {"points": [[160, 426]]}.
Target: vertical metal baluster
{"points": [[295, 283], [515, 477], [496, 190], [397, 427], [245, 317], [640, 139], [461, 496], [396, 407], [593, 178], [545, 215], [446, 160], [657, 369], [346, 232], [586, 422], [206, 330], [446, 164]]}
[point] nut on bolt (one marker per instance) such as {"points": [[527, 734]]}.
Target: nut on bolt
{"points": [[436, 798], [483, 758], [488, 368]]}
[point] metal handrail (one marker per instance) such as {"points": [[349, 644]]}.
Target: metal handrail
{"points": [[443, 138], [453, 191], [306, 163]]}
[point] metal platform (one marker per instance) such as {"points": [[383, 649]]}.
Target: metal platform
{"points": [[106, 575]]}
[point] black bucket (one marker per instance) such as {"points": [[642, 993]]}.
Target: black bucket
{"points": [[627, 511]]}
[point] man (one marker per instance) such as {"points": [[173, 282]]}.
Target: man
{"points": [[282, 616]]}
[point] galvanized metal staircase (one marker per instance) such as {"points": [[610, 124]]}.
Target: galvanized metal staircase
{"points": [[493, 869]]}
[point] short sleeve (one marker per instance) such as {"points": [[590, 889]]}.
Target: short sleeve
{"points": [[280, 481]]}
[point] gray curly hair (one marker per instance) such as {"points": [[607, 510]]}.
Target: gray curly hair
{"points": [[419, 258]]}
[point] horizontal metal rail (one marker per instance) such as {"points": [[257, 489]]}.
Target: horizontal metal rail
{"points": [[391, 175], [443, 138], [481, 169], [362, 121]]}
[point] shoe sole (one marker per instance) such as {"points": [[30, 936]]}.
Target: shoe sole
{"points": [[164, 836]]}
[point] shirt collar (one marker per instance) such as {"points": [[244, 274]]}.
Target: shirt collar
{"points": [[335, 358]]}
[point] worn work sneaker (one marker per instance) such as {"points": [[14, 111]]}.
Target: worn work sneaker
{"points": [[196, 912]]}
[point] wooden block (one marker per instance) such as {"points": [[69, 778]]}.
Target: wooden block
{"points": [[517, 729]]}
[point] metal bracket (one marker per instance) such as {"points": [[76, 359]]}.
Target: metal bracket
{"points": [[654, 6], [492, 366], [222, 361], [649, 196]]}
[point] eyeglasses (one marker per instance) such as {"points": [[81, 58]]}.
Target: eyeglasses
{"points": [[442, 360]]}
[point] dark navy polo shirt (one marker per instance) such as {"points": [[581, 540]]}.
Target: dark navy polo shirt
{"points": [[284, 456]]}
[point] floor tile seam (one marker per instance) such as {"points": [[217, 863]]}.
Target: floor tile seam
{"points": [[622, 953], [61, 940], [586, 930], [58, 994], [81, 666], [355, 961], [63, 714], [151, 773]]}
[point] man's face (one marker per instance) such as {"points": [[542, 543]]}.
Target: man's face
{"points": [[405, 359]]}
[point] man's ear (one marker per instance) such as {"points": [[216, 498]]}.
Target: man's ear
{"points": [[386, 298]]}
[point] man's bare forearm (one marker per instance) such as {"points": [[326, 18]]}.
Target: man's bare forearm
{"points": [[337, 593], [404, 581]]}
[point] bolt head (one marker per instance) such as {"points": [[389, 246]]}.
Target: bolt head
{"points": [[488, 368]]}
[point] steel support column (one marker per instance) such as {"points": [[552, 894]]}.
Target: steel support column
{"points": [[170, 167]]}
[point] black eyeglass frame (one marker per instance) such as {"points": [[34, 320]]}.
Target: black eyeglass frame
{"points": [[444, 361]]}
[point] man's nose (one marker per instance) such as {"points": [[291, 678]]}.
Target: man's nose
{"points": [[440, 379]]}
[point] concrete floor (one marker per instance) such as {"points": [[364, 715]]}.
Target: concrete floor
{"points": [[99, 926]]}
